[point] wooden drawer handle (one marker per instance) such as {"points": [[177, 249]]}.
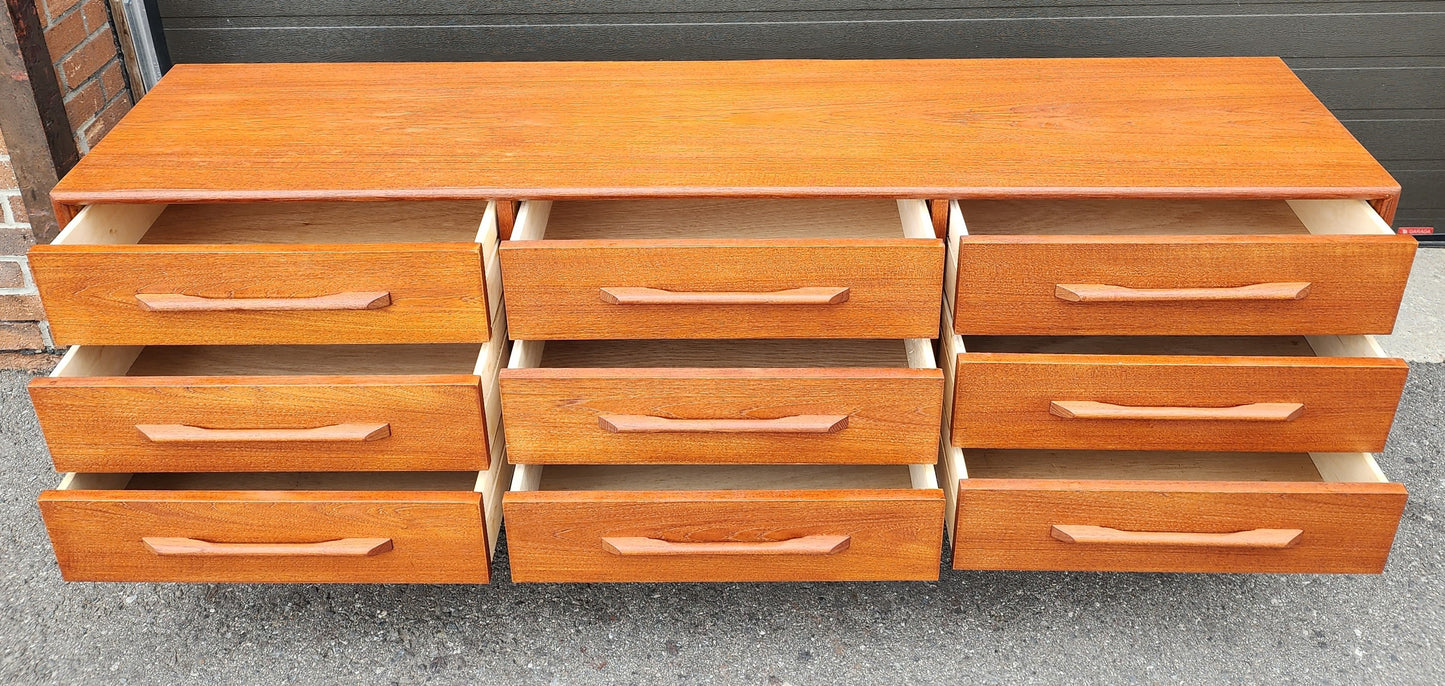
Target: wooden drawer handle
{"points": [[175, 302], [628, 546], [792, 296], [1102, 293], [341, 547], [800, 424], [336, 433], [1253, 538], [1253, 412]]}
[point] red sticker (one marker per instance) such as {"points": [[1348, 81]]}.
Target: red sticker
{"points": [[1417, 230]]}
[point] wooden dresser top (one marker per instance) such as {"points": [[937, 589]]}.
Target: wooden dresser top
{"points": [[1176, 127]]}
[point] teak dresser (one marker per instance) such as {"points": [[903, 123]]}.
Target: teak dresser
{"points": [[718, 356]]}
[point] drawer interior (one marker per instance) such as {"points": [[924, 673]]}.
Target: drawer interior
{"points": [[281, 223], [1166, 217], [652, 219], [774, 353], [1267, 346], [1170, 466], [706, 477], [271, 360]]}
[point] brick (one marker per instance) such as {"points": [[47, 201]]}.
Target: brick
{"points": [[11, 276], [95, 14], [55, 8], [88, 59], [40, 362], [21, 336], [18, 210], [106, 119], [21, 308], [113, 80], [65, 35], [15, 240], [7, 177], [84, 104]]}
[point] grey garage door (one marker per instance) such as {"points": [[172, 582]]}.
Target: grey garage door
{"points": [[1379, 65]]}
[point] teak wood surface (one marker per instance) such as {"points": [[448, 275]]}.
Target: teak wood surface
{"points": [[1008, 285], [437, 293], [435, 422], [1006, 524], [894, 534], [1003, 400], [555, 288], [553, 415], [1160, 127], [437, 536]]}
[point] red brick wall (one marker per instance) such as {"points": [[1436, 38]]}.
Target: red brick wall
{"points": [[87, 62], [92, 78]]}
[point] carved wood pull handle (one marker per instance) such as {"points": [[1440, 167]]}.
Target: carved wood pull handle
{"points": [[336, 433], [175, 302], [792, 296], [1102, 293], [1253, 412], [628, 546], [800, 424], [342, 547], [1253, 538]]}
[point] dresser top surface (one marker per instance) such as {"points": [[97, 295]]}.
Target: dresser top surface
{"points": [[1170, 127]]}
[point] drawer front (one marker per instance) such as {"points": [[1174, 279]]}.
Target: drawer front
{"points": [[1176, 285], [855, 288], [369, 537], [582, 416], [1027, 525], [1142, 402], [848, 535], [404, 293], [254, 424]]}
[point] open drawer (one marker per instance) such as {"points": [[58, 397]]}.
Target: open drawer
{"points": [[239, 273], [1170, 511], [273, 408], [1173, 267], [723, 523], [723, 401], [363, 527], [1256, 393], [723, 268]]}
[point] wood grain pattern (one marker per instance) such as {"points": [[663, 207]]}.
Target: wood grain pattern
{"points": [[552, 287], [637, 546], [341, 547], [437, 536], [1003, 400], [437, 292], [1103, 535], [436, 422], [891, 128], [558, 535], [1007, 524], [175, 302], [552, 415], [1006, 284]]}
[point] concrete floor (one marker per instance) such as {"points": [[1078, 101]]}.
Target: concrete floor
{"points": [[990, 628]]}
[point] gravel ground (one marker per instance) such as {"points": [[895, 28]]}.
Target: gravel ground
{"points": [[991, 628]]}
